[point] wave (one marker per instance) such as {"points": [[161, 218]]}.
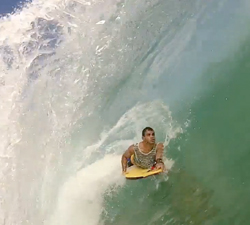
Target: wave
{"points": [[79, 81]]}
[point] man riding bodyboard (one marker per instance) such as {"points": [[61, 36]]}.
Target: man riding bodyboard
{"points": [[146, 154]]}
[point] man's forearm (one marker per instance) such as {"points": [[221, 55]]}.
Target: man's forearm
{"points": [[159, 153], [124, 163], [159, 156]]}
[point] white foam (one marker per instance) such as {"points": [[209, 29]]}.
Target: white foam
{"points": [[80, 200]]}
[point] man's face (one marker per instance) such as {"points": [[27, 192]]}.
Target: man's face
{"points": [[149, 136]]}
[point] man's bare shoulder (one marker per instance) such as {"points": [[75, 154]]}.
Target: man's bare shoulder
{"points": [[160, 146], [131, 149]]}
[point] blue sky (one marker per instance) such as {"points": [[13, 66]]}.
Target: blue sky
{"points": [[7, 6]]}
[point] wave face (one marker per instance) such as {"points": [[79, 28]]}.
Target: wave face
{"points": [[79, 81]]}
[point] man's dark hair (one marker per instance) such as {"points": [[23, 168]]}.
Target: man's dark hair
{"points": [[145, 129]]}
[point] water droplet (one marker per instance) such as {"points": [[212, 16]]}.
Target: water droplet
{"points": [[100, 22]]}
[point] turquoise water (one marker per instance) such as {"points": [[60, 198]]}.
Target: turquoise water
{"points": [[209, 183], [80, 80]]}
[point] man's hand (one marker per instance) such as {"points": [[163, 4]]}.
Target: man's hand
{"points": [[124, 168], [160, 166]]}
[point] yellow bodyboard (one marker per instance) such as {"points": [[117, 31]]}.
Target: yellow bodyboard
{"points": [[135, 172]]}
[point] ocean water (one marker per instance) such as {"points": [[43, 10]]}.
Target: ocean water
{"points": [[79, 81]]}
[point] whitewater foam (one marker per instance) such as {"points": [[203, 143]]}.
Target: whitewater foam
{"points": [[81, 197]]}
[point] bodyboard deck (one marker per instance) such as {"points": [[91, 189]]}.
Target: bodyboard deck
{"points": [[135, 172]]}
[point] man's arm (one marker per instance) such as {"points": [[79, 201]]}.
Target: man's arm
{"points": [[126, 155], [159, 155]]}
